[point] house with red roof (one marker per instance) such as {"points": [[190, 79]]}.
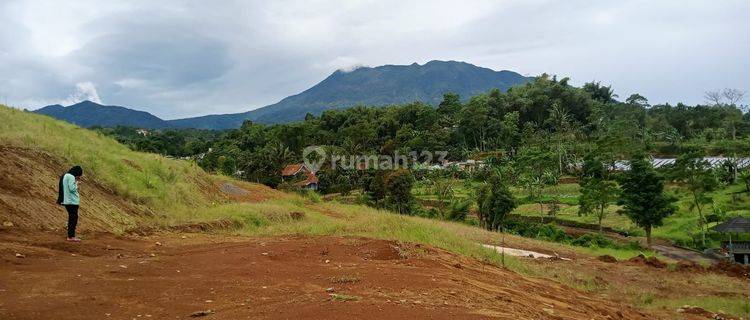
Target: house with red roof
{"points": [[300, 176]]}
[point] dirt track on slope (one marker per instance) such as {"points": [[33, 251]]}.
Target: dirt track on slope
{"points": [[107, 277]]}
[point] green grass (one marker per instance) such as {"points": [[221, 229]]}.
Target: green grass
{"points": [[619, 253], [344, 297], [737, 306], [271, 218], [146, 179]]}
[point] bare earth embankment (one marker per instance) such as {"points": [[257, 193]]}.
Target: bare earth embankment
{"points": [[168, 277]]}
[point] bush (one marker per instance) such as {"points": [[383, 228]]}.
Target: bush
{"points": [[547, 232], [311, 195], [459, 210], [553, 233], [593, 240]]}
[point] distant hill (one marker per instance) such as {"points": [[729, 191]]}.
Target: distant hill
{"points": [[89, 114], [378, 86]]}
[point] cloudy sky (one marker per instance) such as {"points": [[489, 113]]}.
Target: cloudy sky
{"points": [[187, 58]]}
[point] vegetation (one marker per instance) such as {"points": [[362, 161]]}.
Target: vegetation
{"points": [[695, 175], [176, 143], [176, 192], [494, 201], [643, 198], [597, 192], [535, 135]]}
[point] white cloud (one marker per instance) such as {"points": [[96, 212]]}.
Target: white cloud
{"points": [[83, 91]]}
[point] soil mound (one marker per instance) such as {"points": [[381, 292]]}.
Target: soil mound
{"points": [[688, 266], [247, 192], [650, 261], [698, 311], [731, 269], [607, 258]]}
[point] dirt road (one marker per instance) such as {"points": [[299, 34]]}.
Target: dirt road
{"points": [[682, 254], [168, 277]]}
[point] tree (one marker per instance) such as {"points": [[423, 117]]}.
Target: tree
{"points": [[227, 165], [560, 121], [533, 163], [718, 98], [459, 210], [597, 192], [373, 184], [599, 92], [643, 199], [713, 97], [448, 108], [443, 190], [637, 100], [399, 198], [733, 96], [495, 202], [474, 121], [534, 186], [695, 175]]}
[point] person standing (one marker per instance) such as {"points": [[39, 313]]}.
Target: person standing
{"points": [[68, 197]]}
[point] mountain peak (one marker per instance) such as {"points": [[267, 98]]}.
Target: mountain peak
{"points": [[388, 84]]}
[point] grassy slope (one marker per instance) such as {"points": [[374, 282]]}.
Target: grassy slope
{"points": [[148, 179]]}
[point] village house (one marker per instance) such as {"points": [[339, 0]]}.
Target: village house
{"points": [[467, 165], [300, 176], [735, 250]]}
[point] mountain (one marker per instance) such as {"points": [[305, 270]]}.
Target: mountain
{"points": [[89, 114], [378, 86], [384, 85]]}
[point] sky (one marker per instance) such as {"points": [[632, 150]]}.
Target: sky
{"points": [[188, 58]]}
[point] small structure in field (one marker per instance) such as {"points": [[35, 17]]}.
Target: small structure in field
{"points": [[738, 251], [711, 162], [300, 175], [467, 165]]}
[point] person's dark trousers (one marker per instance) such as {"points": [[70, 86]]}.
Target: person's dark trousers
{"points": [[72, 219]]}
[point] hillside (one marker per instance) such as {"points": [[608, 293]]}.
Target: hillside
{"points": [[89, 114], [378, 86], [159, 232]]}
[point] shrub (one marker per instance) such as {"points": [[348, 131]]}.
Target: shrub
{"points": [[593, 240], [459, 210], [311, 195]]}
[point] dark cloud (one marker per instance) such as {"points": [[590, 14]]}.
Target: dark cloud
{"points": [[185, 58], [163, 58]]}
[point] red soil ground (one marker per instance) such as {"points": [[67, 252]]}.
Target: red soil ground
{"points": [[168, 277]]}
